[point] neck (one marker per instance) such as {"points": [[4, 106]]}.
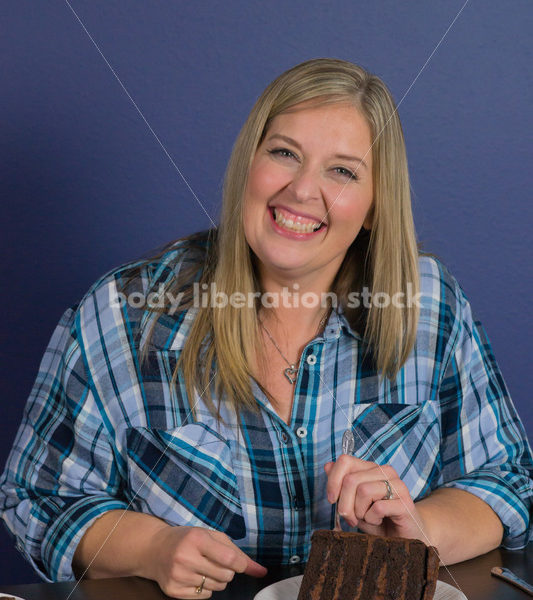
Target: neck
{"points": [[292, 333], [295, 324], [296, 303]]}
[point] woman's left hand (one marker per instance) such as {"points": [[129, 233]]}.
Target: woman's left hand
{"points": [[358, 487]]}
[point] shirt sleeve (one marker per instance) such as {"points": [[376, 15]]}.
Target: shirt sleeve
{"points": [[484, 445], [61, 474]]}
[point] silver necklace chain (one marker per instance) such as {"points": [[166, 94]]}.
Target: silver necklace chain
{"points": [[291, 371]]}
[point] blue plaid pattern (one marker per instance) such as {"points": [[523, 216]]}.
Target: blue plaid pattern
{"points": [[102, 431]]}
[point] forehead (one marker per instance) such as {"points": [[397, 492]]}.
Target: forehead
{"points": [[339, 126]]}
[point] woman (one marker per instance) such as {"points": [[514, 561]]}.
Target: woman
{"points": [[191, 413]]}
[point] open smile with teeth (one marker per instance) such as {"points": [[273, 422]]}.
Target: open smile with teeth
{"points": [[296, 223]]}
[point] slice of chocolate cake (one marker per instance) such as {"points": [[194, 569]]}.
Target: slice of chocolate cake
{"points": [[356, 566]]}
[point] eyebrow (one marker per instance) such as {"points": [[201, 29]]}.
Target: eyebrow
{"points": [[289, 140]]}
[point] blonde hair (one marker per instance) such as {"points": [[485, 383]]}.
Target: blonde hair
{"points": [[385, 260]]}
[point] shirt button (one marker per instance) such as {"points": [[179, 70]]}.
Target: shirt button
{"points": [[301, 432], [311, 359], [284, 437], [294, 559]]}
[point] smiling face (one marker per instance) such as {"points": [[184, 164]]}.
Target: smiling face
{"points": [[309, 191]]}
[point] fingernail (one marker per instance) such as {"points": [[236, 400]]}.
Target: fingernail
{"points": [[331, 497]]}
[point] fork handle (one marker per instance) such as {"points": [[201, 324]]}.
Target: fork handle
{"points": [[510, 577]]}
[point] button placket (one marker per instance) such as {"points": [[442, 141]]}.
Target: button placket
{"points": [[297, 487]]}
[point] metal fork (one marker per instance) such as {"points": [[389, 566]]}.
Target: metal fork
{"points": [[348, 445], [510, 577]]}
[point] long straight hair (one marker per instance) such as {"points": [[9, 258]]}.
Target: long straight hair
{"points": [[223, 343]]}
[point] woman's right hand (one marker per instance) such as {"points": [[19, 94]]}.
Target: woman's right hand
{"points": [[178, 558]]}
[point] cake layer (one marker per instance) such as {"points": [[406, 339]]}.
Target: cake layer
{"points": [[356, 566]]}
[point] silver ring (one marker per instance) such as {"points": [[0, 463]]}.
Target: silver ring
{"points": [[389, 495], [200, 588]]}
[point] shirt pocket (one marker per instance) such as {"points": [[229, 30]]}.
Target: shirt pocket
{"points": [[405, 436], [184, 476]]}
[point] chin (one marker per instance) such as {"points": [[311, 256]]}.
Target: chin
{"points": [[282, 260]]}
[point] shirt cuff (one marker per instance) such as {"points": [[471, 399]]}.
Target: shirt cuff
{"points": [[507, 503], [66, 531]]}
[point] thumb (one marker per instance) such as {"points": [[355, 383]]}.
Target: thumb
{"points": [[327, 467], [254, 569]]}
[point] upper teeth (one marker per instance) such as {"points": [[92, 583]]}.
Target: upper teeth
{"points": [[295, 225]]}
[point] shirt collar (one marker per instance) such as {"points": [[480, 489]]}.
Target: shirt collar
{"points": [[336, 323]]}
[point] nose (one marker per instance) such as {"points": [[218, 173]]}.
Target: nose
{"points": [[305, 185]]}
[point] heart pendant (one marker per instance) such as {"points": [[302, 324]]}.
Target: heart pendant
{"points": [[290, 373]]}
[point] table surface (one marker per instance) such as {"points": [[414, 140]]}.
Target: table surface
{"points": [[472, 577]]}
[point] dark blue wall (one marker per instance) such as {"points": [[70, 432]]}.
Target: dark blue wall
{"points": [[86, 186]]}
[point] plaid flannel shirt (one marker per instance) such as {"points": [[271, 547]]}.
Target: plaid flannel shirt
{"points": [[102, 431]]}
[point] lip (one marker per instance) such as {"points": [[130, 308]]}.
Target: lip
{"points": [[292, 235], [296, 214]]}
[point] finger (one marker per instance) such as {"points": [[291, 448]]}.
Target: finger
{"points": [[381, 509], [365, 527], [206, 586], [344, 464], [255, 569], [359, 490], [226, 554], [215, 573], [184, 592], [346, 500], [201, 557], [369, 492], [370, 472], [212, 584], [221, 537], [252, 568], [190, 572], [359, 472], [188, 593]]}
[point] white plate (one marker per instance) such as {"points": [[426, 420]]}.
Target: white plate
{"points": [[2, 595], [287, 589]]}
